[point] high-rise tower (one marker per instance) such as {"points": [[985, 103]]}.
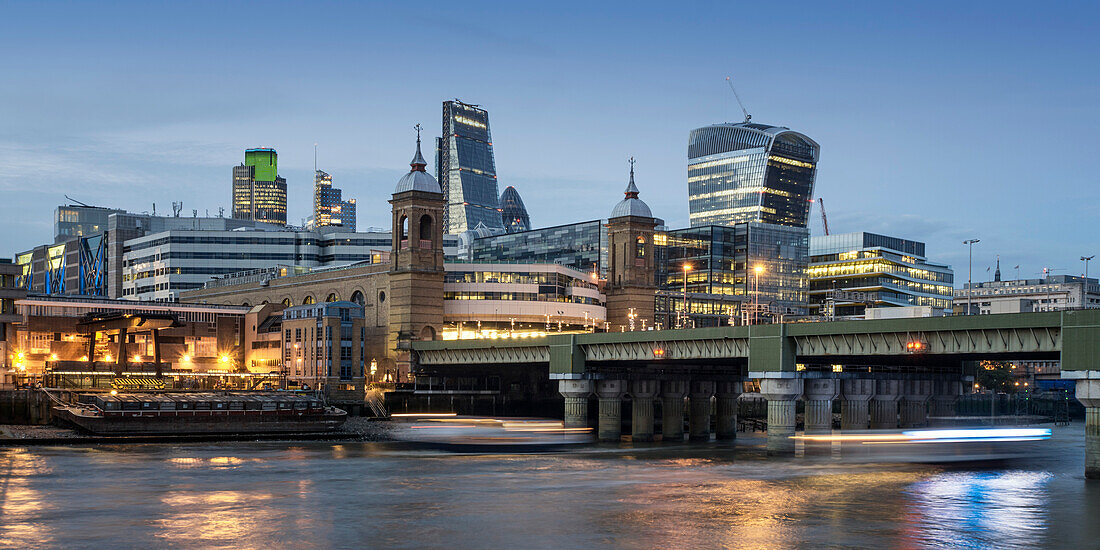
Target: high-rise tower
{"points": [[258, 192], [748, 172], [513, 214], [329, 208], [466, 170]]}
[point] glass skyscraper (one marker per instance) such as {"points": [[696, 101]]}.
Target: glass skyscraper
{"points": [[466, 170], [513, 214], [259, 194], [329, 208], [747, 172], [582, 246]]}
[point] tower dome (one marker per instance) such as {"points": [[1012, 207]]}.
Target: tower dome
{"points": [[631, 205], [418, 178]]}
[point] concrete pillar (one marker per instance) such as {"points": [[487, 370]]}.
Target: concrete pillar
{"points": [[1088, 393], [610, 392], [819, 396], [782, 395], [945, 394], [914, 403], [641, 406], [726, 394], [855, 395], [884, 405], [576, 394], [672, 404], [699, 419]]}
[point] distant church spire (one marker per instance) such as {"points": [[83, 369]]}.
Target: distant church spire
{"points": [[418, 163], [631, 189], [997, 274]]}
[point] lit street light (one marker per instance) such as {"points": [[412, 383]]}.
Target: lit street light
{"points": [[687, 267]]}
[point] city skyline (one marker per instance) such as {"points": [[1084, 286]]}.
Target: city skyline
{"points": [[891, 165]]}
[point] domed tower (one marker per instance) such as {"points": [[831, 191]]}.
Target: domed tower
{"points": [[416, 270], [631, 273]]}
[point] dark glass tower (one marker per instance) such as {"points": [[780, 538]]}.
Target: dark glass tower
{"points": [[513, 214], [747, 172], [466, 170]]}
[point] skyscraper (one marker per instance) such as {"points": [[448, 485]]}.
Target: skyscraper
{"points": [[466, 170], [748, 172], [259, 193], [329, 208], [513, 214]]}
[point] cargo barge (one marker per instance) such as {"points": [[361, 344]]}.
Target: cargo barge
{"points": [[200, 413]]}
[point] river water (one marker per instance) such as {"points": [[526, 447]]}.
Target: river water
{"points": [[382, 495]]}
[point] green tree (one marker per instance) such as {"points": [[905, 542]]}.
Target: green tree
{"points": [[996, 375]]}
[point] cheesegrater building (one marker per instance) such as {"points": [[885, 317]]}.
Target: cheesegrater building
{"points": [[466, 170], [749, 172], [259, 194]]}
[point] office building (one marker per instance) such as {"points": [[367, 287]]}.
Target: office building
{"points": [[852, 272], [748, 172], [742, 274], [259, 194], [1050, 293], [466, 170], [513, 214], [9, 293], [80, 220], [582, 246], [329, 207], [323, 348]]}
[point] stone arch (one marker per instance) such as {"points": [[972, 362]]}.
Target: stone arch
{"points": [[427, 333], [332, 297], [264, 302], [358, 297], [639, 251], [308, 300], [426, 225], [246, 304], [287, 302], [403, 225]]}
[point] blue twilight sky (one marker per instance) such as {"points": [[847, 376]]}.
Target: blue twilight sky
{"points": [[937, 122]]}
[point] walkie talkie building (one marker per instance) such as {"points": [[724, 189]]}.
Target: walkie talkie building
{"points": [[749, 172]]}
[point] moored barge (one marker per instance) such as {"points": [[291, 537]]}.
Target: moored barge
{"points": [[201, 413]]}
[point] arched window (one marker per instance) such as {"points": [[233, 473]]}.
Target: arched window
{"points": [[246, 304], [382, 296], [639, 250], [332, 298], [425, 229], [427, 333], [403, 223], [309, 301], [358, 298], [287, 302]]}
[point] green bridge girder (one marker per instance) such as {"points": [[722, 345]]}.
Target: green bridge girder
{"points": [[1070, 336]]}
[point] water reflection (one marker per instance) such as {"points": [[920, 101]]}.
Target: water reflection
{"points": [[968, 508], [22, 507], [218, 518]]}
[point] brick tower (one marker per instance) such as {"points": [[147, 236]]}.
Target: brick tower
{"points": [[631, 275]]}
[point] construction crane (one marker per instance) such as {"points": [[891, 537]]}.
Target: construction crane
{"points": [[748, 117], [824, 220]]}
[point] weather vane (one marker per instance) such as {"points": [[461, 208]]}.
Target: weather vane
{"points": [[417, 131]]}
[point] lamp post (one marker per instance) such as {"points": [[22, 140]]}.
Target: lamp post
{"points": [[1086, 260], [756, 271], [687, 268], [970, 275]]}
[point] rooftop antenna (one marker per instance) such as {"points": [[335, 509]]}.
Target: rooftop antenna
{"points": [[748, 117], [177, 207], [78, 202]]}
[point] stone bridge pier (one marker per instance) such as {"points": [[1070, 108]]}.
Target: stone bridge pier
{"points": [[782, 395], [672, 409], [856, 395], [1088, 393], [642, 393], [914, 403], [699, 418], [884, 405], [576, 394], [726, 394], [610, 393]]}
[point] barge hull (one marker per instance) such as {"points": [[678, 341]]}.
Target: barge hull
{"points": [[199, 422]]}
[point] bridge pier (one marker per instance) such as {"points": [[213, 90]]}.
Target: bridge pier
{"points": [[641, 408], [699, 416], [1088, 393], [884, 405], [672, 408], [576, 394], [782, 395], [820, 393], [914, 403], [610, 393], [944, 396], [726, 394], [854, 410]]}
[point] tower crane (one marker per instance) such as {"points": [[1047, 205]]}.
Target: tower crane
{"points": [[824, 219], [748, 117]]}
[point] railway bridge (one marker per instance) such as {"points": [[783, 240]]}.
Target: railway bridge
{"points": [[886, 373]]}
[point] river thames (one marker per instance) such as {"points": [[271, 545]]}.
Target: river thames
{"points": [[377, 494]]}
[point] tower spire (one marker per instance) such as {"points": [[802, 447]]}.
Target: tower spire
{"points": [[997, 274], [418, 163], [631, 189]]}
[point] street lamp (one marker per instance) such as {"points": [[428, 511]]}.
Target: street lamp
{"points": [[687, 267], [1086, 260], [970, 276], [756, 271]]}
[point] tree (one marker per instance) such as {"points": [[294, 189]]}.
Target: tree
{"points": [[996, 375]]}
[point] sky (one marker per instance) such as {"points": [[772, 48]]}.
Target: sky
{"points": [[937, 122]]}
